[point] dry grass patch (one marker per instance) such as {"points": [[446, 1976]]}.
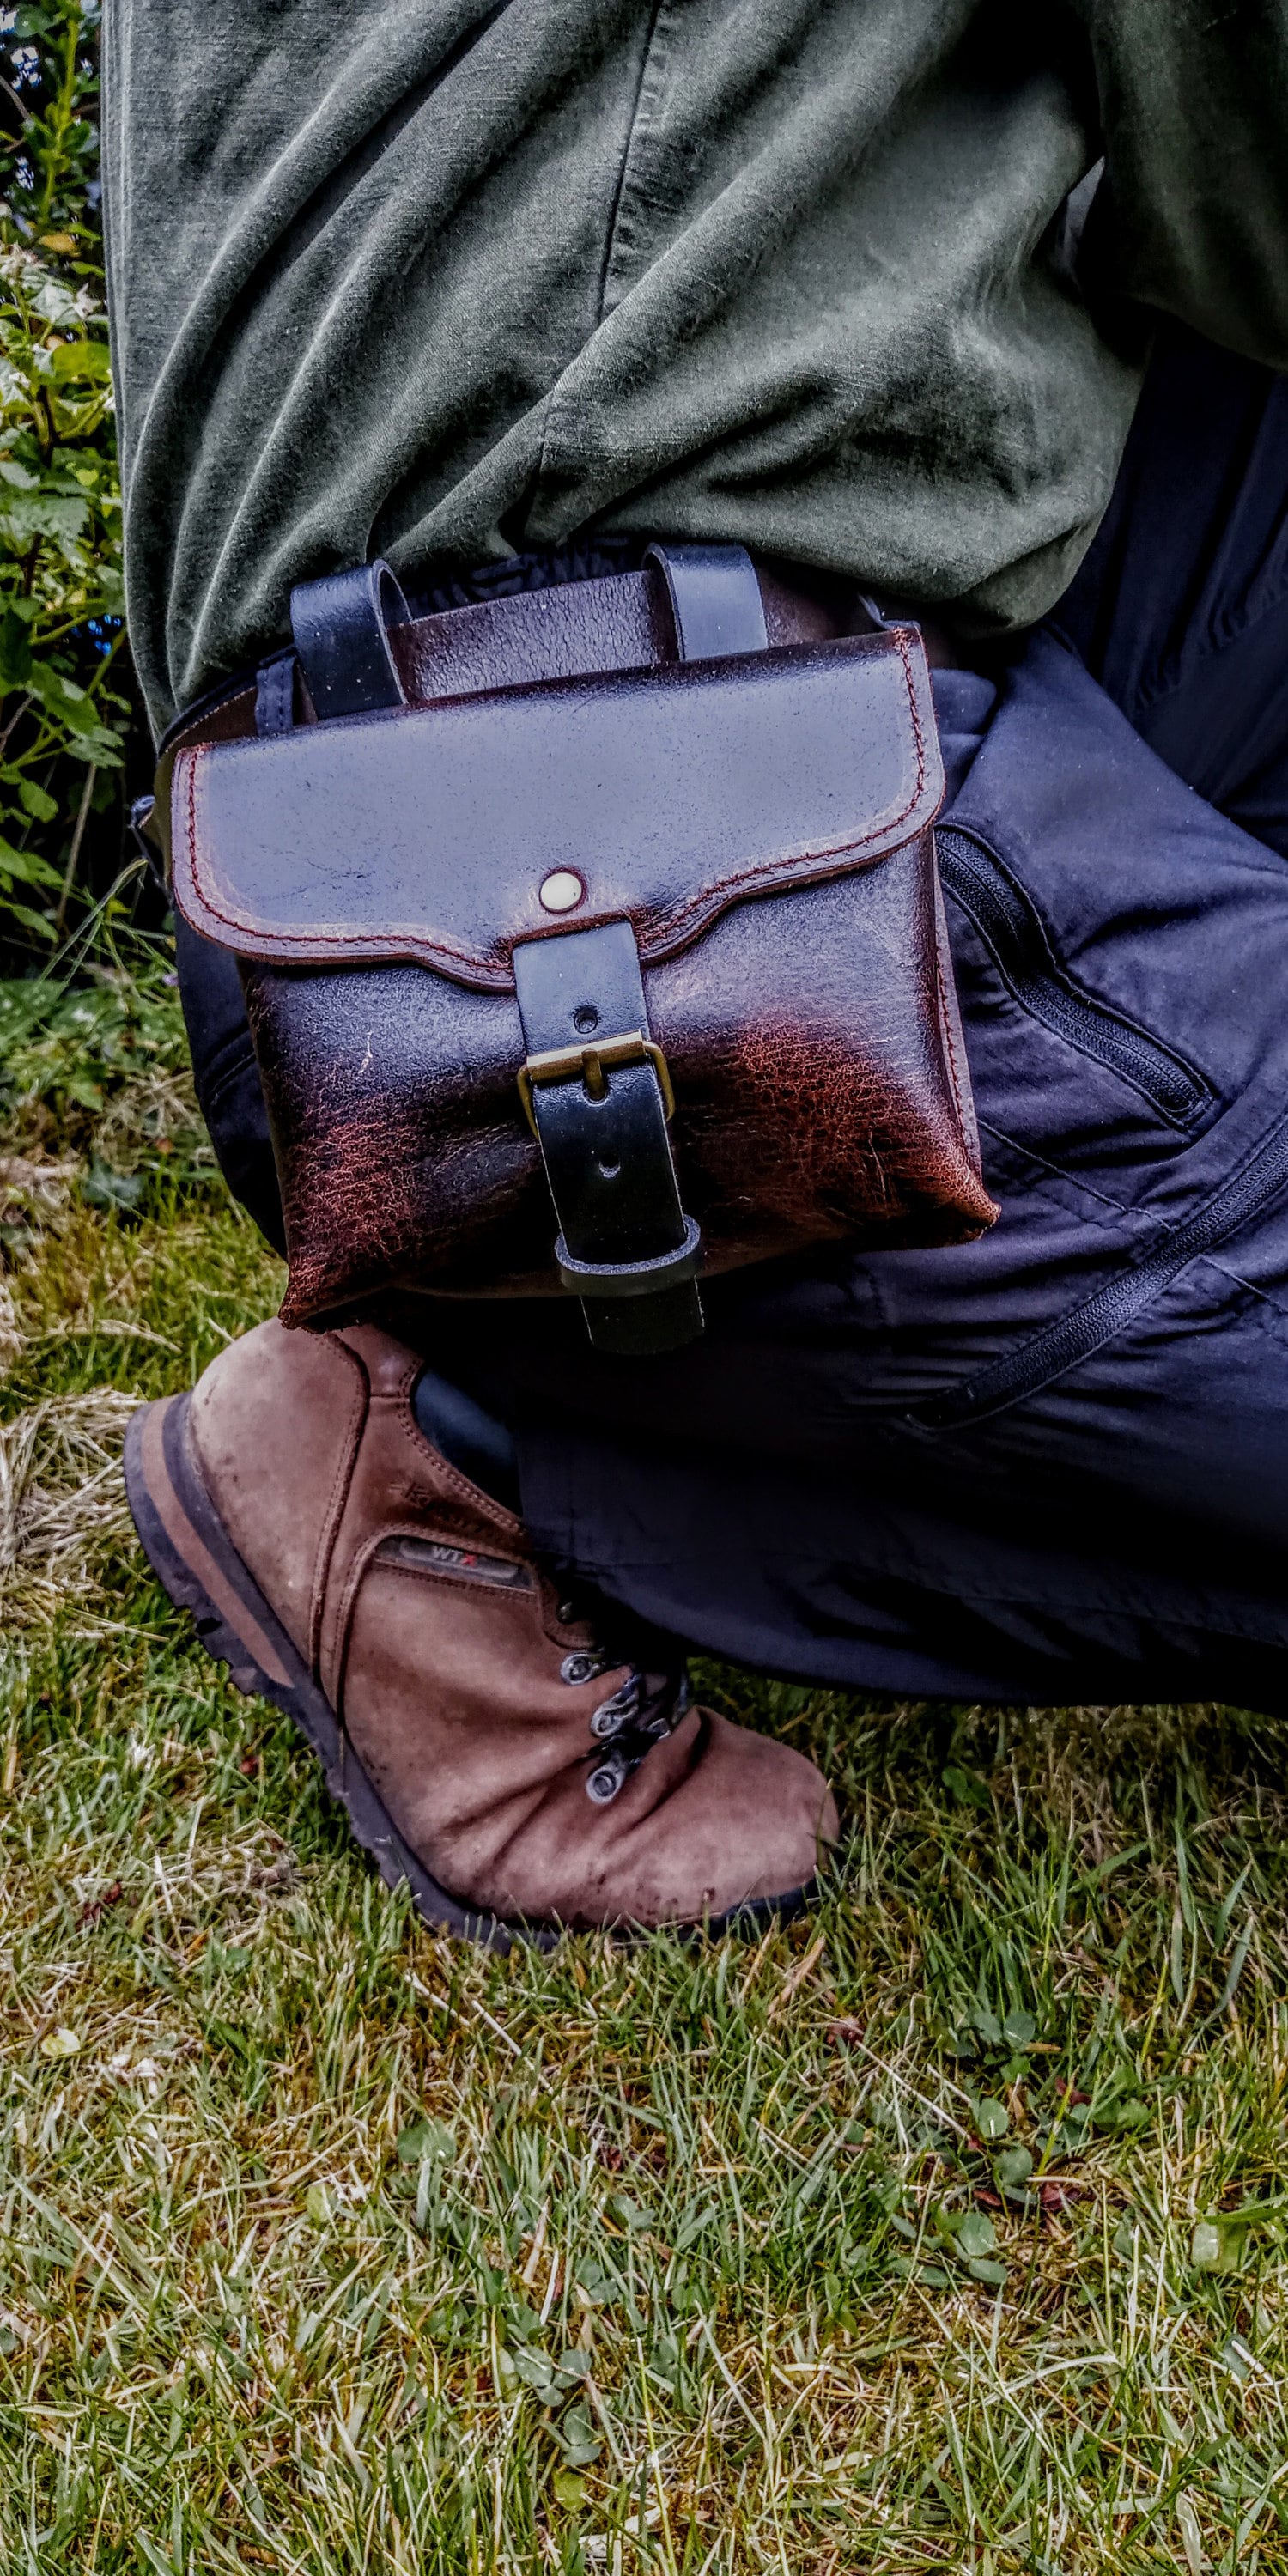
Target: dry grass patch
{"points": [[62, 1504]]}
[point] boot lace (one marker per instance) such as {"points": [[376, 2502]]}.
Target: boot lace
{"points": [[641, 1712]]}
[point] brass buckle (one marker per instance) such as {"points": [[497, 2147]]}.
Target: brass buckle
{"points": [[566, 1064]]}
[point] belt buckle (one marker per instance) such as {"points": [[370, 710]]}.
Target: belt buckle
{"points": [[588, 1063]]}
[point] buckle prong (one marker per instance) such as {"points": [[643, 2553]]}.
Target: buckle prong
{"points": [[587, 1064]]}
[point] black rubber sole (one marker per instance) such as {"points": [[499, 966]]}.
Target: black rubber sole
{"points": [[195, 1561]]}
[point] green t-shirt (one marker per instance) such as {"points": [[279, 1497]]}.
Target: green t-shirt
{"points": [[444, 281]]}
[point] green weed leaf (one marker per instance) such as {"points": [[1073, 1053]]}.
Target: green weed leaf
{"points": [[1014, 2168], [992, 2119], [976, 2235]]}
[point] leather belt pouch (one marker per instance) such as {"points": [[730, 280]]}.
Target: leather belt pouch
{"points": [[665, 944]]}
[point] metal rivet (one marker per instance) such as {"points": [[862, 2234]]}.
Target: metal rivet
{"points": [[561, 891]]}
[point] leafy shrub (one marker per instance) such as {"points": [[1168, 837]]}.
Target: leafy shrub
{"points": [[65, 702], [94, 1094]]}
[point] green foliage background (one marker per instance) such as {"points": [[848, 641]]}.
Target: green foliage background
{"points": [[65, 696]]}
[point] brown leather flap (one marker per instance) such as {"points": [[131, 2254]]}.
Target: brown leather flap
{"points": [[668, 794]]}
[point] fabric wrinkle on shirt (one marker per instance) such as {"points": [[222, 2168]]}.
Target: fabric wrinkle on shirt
{"points": [[451, 281]]}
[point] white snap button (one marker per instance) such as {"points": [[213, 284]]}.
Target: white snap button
{"points": [[561, 891]]}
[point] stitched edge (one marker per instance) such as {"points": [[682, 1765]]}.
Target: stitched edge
{"points": [[333, 1630], [946, 1033], [412, 1437], [949, 1027], [341, 1486], [666, 923], [659, 933]]}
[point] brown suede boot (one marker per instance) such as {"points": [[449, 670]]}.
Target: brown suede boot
{"points": [[486, 1748]]}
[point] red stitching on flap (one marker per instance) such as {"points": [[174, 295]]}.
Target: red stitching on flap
{"points": [[320, 940], [767, 868], [494, 967]]}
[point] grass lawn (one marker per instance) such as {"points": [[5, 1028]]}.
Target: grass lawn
{"points": [[943, 2231]]}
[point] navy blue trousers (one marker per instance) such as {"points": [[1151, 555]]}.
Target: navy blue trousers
{"points": [[1051, 1466]]}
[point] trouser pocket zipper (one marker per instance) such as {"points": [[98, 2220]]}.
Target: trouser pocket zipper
{"points": [[1101, 1317], [1015, 934]]}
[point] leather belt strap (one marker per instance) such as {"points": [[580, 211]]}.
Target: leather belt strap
{"points": [[343, 630], [715, 598], [343, 642], [593, 1082]]}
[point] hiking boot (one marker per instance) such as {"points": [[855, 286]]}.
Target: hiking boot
{"points": [[489, 1746]]}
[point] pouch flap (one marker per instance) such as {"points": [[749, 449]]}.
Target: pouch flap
{"points": [[666, 795]]}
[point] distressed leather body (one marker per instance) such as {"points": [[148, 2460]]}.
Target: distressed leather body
{"points": [[764, 822]]}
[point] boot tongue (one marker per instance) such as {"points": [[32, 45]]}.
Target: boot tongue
{"points": [[664, 1698]]}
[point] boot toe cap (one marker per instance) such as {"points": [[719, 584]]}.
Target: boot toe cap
{"points": [[747, 1824], [769, 1815]]}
